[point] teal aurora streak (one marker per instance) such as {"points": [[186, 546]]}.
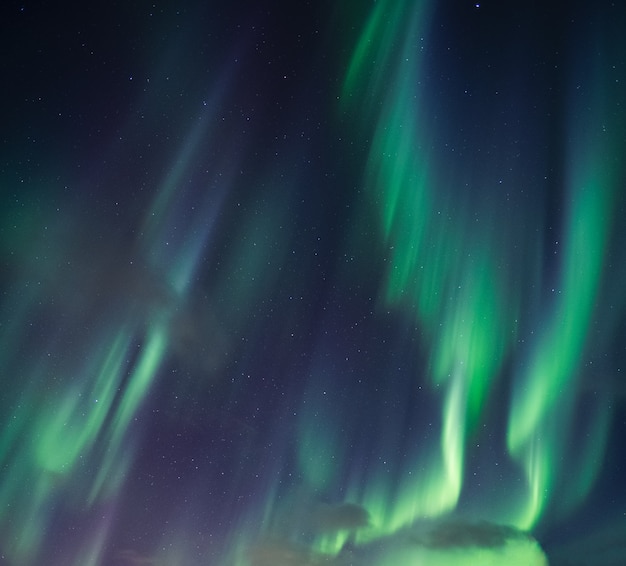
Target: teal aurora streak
{"points": [[461, 271]]}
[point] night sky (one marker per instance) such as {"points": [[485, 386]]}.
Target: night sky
{"points": [[292, 284]]}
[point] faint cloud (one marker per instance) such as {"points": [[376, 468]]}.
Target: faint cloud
{"points": [[281, 553], [483, 534], [340, 517], [129, 557]]}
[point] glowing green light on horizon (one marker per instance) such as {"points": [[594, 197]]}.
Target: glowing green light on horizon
{"points": [[521, 552]]}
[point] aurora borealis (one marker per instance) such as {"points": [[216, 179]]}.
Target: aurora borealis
{"points": [[289, 285]]}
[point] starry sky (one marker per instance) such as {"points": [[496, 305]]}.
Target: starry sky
{"points": [[303, 283]]}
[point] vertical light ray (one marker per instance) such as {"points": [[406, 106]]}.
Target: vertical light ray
{"points": [[548, 385], [553, 366], [375, 48], [453, 439], [72, 426], [159, 212], [593, 446], [199, 231], [140, 381], [93, 550], [318, 448], [440, 270], [431, 487]]}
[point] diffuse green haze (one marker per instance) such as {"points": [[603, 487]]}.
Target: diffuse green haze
{"points": [[57, 429], [100, 341], [88, 326]]}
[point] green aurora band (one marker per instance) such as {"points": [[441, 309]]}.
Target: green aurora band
{"points": [[450, 273], [544, 403], [78, 402], [455, 278], [444, 272]]}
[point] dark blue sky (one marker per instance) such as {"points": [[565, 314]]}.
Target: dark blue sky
{"points": [[298, 281]]}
